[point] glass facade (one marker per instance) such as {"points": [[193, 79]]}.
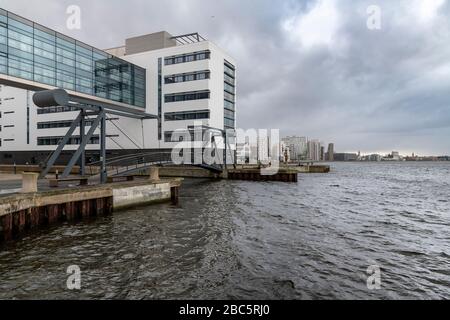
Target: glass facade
{"points": [[32, 52]]}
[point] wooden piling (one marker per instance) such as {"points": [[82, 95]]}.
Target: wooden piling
{"points": [[174, 195]]}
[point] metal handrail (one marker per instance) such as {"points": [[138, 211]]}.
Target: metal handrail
{"points": [[140, 161]]}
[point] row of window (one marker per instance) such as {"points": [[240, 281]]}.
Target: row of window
{"points": [[229, 96], [183, 58], [230, 70], [187, 96], [188, 115], [170, 136], [57, 110], [60, 124], [185, 77], [65, 124], [160, 77], [54, 141]]}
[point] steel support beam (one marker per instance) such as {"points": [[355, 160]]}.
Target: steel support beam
{"points": [[60, 147], [82, 139], [103, 173], [82, 146]]}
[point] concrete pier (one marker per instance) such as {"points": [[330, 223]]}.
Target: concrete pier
{"points": [[23, 212]]}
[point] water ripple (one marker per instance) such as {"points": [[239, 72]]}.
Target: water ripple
{"points": [[245, 240]]}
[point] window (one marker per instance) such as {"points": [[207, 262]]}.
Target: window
{"points": [[184, 58], [187, 96], [188, 115], [229, 88], [229, 114], [229, 105], [229, 97], [185, 77]]}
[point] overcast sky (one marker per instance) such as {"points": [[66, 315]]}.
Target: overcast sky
{"points": [[308, 67]]}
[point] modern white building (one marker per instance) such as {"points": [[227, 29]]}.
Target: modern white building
{"points": [[189, 82]]}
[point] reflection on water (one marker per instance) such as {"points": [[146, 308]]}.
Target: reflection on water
{"points": [[232, 239]]}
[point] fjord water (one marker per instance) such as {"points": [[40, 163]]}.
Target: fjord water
{"points": [[313, 239]]}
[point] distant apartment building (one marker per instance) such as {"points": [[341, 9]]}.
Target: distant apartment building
{"points": [[330, 153], [298, 147], [185, 80], [314, 148]]}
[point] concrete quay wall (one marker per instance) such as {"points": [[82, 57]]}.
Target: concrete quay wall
{"points": [[22, 212]]}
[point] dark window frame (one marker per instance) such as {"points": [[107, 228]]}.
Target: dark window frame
{"points": [[187, 115], [187, 96]]}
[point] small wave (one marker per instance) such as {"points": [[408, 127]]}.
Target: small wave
{"points": [[409, 253]]}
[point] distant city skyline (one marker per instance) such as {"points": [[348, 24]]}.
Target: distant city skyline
{"points": [[336, 148]]}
